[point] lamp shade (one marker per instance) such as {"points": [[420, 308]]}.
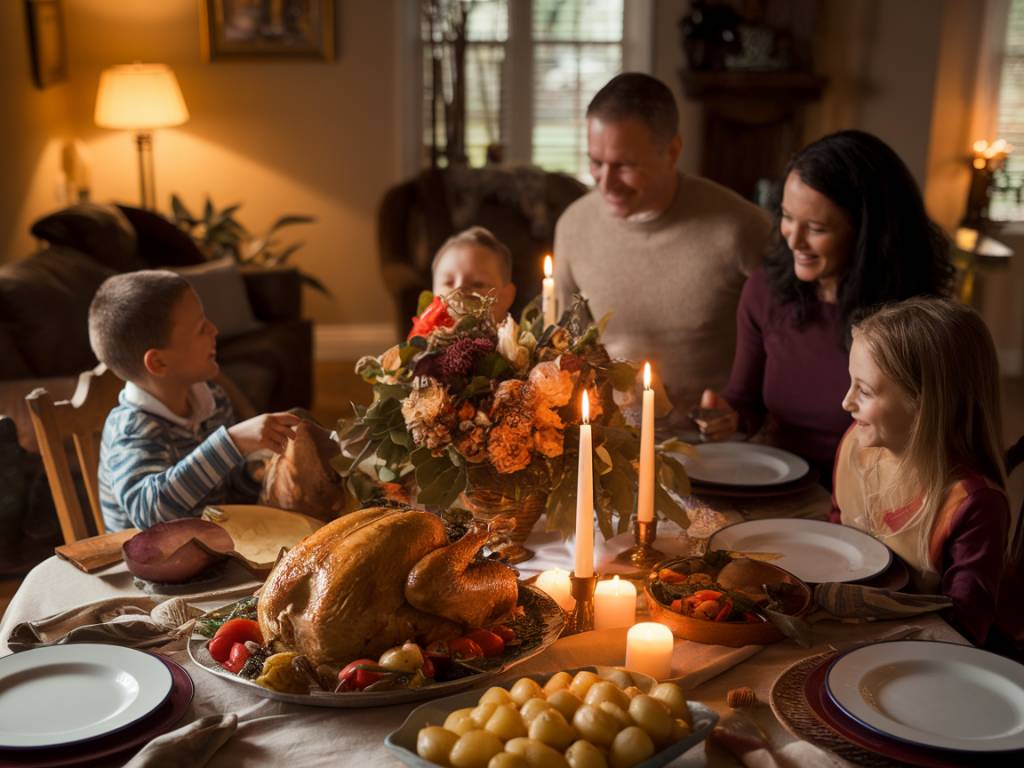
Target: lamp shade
{"points": [[139, 96]]}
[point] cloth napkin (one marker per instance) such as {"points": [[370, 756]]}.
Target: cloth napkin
{"points": [[133, 622], [744, 735], [191, 746]]}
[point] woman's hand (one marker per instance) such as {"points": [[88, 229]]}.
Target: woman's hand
{"points": [[715, 418]]}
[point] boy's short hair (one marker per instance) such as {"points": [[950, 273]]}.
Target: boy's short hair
{"points": [[479, 236], [132, 313]]}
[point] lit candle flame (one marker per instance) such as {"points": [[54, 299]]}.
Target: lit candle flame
{"points": [[980, 146], [548, 266], [586, 408], [647, 375]]}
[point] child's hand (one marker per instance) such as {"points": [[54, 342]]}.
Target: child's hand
{"points": [[270, 430]]}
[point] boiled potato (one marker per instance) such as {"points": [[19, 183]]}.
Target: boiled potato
{"points": [[435, 744], [551, 728], [620, 677], [508, 760], [631, 746], [495, 695], [672, 695], [605, 690], [475, 749], [632, 691], [558, 681], [506, 722], [460, 722], [583, 754], [482, 713], [532, 708], [537, 754], [565, 702], [517, 746], [524, 690], [653, 716], [680, 729], [595, 726], [581, 682], [621, 716]]}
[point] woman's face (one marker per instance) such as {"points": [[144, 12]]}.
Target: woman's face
{"points": [[881, 409], [817, 231]]}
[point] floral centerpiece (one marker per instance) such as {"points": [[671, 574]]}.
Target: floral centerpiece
{"points": [[466, 407]]}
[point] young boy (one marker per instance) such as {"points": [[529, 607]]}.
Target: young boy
{"points": [[171, 446], [475, 261]]}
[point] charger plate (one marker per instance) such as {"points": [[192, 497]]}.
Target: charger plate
{"points": [[535, 602], [66, 694], [402, 742], [932, 694]]}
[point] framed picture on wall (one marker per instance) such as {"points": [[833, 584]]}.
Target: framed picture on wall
{"points": [[267, 29], [46, 41]]}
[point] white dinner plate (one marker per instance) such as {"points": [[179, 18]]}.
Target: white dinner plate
{"points": [[933, 694], [812, 550], [64, 694], [743, 464]]}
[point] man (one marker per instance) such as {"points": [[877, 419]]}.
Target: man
{"points": [[666, 253]]}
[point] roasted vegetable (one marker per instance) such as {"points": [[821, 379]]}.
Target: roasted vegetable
{"points": [[279, 674]]}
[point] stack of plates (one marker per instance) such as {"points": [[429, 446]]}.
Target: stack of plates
{"points": [[924, 703], [70, 704], [746, 469]]}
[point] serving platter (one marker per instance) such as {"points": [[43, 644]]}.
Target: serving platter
{"points": [[932, 694], [535, 602], [743, 464], [66, 694], [402, 742], [812, 550]]}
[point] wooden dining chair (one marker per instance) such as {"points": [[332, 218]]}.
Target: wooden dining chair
{"points": [[78, 421]]}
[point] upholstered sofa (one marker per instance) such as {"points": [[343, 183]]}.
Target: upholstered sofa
{"points": [[264, 346]]}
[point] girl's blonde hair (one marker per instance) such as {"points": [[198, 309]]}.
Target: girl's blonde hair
{"points": [[942, 356]]}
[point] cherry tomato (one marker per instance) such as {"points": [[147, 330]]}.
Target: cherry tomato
{"points": [[490, 643], [239, 655], [240, 630], [723, 614], [428, 668], [465, 649], [505, 633], [677, 605], [220, 648], [356, 675], [438, 651]]}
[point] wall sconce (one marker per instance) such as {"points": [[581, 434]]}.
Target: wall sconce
{"points": [[140, 97]]}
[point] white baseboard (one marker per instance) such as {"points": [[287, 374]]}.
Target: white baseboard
{"points": [[339, 342], [1011, 361]]}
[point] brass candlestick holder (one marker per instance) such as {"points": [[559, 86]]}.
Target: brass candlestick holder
{"points": [[642, 554], [581, 618]]}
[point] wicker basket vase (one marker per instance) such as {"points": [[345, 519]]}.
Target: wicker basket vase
{"points": [[486, 505]]}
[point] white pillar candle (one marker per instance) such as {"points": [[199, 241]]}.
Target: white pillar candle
{"points": [[548, 294], [614, 604], [556, 583], [584, 561], [645, 489], [649, 649]]}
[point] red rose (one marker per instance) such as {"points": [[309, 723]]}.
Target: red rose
{"points": [[433, 317]]}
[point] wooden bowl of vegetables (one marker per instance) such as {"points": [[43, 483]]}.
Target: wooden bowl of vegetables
{"points": [[721, 600]]}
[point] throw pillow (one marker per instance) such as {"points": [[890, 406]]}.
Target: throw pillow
{"points": [[222, 291], [160, 242], [99, 231]]}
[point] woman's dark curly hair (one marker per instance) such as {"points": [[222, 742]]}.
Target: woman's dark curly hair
{"points": [[898, 252]]}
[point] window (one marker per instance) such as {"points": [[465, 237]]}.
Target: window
{"points": [[1006, 204], [531, 68]]}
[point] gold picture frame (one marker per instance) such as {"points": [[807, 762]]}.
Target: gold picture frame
{"points": [[45, 20], [239, 30]]}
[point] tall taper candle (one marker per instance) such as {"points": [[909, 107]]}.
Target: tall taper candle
{"points": [[645, 488], [584, 562], [548, 294]]}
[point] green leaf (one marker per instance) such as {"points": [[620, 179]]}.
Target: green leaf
{"points": [[603, 322], [444, 489], [478, 385], [426, 297], [401, 437], [315, 284], [181, 213], [288, 220], [606, 459], [281, 257], [622, 376], [491, 366]]}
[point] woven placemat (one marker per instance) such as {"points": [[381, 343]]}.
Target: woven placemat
{"points": [[790, 706]]}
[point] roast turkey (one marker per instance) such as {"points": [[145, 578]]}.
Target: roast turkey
{"points": [[301, 479], [376, 578]]}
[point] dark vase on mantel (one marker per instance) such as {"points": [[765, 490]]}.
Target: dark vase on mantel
{"points": [[709, 33]]}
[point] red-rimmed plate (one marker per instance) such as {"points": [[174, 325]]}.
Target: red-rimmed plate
{"points": [[817, 698], [158, 722]]}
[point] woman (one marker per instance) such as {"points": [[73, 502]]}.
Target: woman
{"points": [[852, 233]]}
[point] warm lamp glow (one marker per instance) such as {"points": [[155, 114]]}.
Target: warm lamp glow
{"points": [[647, 375], [139, 97], [980, 146], [548, 266], [586, 408]]}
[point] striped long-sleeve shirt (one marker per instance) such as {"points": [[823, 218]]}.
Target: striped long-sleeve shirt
{"points": [[156, 466]]}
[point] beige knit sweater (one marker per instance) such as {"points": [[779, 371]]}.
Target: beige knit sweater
{"points": [[672, 284]]}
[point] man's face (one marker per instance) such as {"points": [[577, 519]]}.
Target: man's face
{"points": [[473, 268], [634, 171]]}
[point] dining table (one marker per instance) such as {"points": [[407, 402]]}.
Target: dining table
{"points": [[271, 732]]}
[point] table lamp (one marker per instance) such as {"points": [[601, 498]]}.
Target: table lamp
{"points": [[140, 97]]}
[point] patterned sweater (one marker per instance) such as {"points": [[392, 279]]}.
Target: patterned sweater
{"points": [[156, 466]]}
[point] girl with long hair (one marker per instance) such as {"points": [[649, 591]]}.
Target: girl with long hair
{"points": [[851, 232], [921, 468]]}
